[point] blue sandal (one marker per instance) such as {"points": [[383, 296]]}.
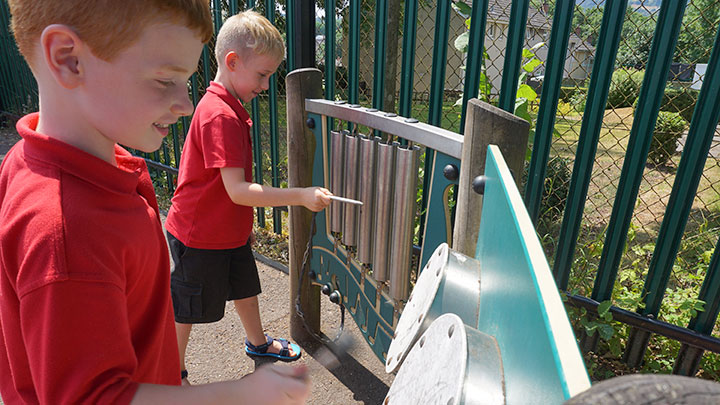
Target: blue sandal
{"points": [[262, 350]]}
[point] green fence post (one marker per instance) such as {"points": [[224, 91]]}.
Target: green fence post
{"points": [[562, 22], [513, 55], [206, 66], [689, 357], [687, 179], [475, 56], [437, 90], [608, 43], [653, 87], [274, 142], [256, 142], [381, 8], [353, 58], [166, 160], [289, 37], [5, 45], [217, 15], [176, 142], [329, 55], [408, 58]]}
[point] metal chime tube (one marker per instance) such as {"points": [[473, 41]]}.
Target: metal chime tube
{"points": [[337, 150], [349, 226], [383, 209], [406, 168], [368, 147]]}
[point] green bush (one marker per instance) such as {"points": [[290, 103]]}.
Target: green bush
{"points": [[577, 100], [555, 188], [566, 93], [668, 129], [624, 87], [680, 99]]}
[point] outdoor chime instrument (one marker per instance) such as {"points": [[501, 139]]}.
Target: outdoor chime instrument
{"points": [[379, 233]]}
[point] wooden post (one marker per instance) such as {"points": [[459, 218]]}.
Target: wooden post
{"points": [[301, 84], [485, 125]]}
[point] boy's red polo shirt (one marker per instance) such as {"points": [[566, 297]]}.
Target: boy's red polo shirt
{"points": [[85, 309], [202, 215]]}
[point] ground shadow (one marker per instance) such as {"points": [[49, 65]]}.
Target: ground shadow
{"points": [[364, 384]]}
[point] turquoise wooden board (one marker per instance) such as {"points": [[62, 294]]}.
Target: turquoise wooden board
{"points": [[519, 302]]}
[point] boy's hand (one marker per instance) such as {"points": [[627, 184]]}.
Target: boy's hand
{"points": [[279, 384], [316, 198], [252, 239]]}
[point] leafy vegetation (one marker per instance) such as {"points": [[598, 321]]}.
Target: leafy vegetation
{"points": [[668, 129], [624, 87]]}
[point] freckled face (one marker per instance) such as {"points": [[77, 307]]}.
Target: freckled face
{"points": [[144, 88]]}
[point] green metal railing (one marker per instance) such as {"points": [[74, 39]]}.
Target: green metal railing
{"points": [[513, 54], [18, 88], [608, 43]]}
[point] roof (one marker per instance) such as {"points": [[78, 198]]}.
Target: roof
{"points": [[499, 11]]}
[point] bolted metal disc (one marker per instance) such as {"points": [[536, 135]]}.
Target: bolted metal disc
{"points": [[413, 320], [435, 369]]}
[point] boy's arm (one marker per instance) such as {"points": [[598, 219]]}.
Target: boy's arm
{"points": [[249, 194], [272, 384]]}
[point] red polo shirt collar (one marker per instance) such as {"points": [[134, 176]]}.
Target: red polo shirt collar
{"points": [[129, 176], [227, 97]]}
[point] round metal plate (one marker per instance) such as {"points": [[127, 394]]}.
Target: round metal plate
{"points": [[413, 318], [434, 370]]}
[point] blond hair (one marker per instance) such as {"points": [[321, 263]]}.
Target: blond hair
{"points": [[249, 30], [107, 26]]}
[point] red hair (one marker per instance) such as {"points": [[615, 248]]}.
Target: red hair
{"points": [[107, 26]]}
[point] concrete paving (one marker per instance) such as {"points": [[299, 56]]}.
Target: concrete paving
{"points": [[216, 351]]}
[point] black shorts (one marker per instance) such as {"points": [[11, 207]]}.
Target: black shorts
{"points": [[204, 279]]}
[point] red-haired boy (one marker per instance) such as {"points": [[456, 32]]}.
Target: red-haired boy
{"points": [[85, 308]]}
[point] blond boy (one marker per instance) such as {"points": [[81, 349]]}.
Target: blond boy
{"points": [[85, 308], [210, 222]]}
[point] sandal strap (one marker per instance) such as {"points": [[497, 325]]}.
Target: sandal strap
{"points": [[284, 351], [260, 348]]}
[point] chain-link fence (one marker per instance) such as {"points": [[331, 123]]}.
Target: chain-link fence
{"points": [[700, 24], [658, 177]]}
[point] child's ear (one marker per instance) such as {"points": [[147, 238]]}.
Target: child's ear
{"points": [[232, 60], [61, 49]]}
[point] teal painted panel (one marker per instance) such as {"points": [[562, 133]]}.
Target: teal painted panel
{"points": [[438, 227], [519, 299]]}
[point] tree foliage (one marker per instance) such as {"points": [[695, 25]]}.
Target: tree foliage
{"points": [[697, 34]]}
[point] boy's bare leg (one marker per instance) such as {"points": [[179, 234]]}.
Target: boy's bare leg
{"points": [[182, 331], [249, 312]]}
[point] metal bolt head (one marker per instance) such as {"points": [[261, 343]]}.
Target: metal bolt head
{"points": [[451, 172], [310, 123], [335, 297], [326, 289], [478, 184]]}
